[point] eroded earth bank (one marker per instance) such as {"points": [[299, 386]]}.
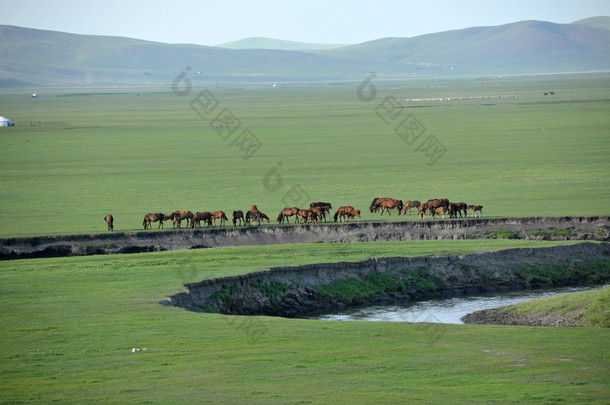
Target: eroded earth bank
{"points": [[547, 228], [302, 290]]}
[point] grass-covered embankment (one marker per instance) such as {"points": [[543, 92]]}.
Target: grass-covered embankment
{"points": [[68, 327], [586, 308]]}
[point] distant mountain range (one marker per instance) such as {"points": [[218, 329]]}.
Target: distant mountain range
{"points": [[32, 57], [269, 43]]}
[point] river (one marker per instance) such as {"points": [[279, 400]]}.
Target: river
{"points": [[442, 310]]}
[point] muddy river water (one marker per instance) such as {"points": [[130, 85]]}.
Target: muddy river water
{"points": [[445, 310]]}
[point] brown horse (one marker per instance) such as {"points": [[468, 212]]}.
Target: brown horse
{"points": [[238, 216], [477, 210], [374, 204], [434, 204], [437, 211], [257, 216], [309, 214], [150, 217], [421, 210], [324, 208], [109, 221], [456, 209], [264, 216], [201, 216], [387, 204], [253, 214], [320, 212], [179, 216], [410, 204], [288, 212], [221, 216], [342, 213], [353, 214], [320, 205]]}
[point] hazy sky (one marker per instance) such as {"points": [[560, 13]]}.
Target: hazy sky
{"points": [[208, 22]]}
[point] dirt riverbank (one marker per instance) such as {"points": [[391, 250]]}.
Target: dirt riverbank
{"points": [[298, 290], [547, 228]]}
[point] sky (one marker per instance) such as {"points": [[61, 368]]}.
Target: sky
{"points": [[208, 22]]}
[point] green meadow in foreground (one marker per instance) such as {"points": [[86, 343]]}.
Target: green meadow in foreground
{"points": [[77, 154], [69, 327]]}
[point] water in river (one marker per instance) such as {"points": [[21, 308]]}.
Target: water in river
{"points": [[442, 310]]}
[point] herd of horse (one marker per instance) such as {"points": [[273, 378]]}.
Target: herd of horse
{"points": [[438, 206], [316, 212]]}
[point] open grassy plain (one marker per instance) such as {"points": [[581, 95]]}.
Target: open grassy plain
{"points": [[69, 327], [77, 154]]}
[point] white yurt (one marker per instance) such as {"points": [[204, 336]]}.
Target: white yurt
{"points": [[5, 122]]}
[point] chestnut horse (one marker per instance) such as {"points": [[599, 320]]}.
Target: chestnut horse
{"points": [[288, 212], [343, 212], [309, 214], [178, 216], [353, 214], [320, 212], [386, 204], [221, 216], [201, 216], [437, 211], [477, 210], [149, 218], [109, 221], [323, 207], [409, 205]]}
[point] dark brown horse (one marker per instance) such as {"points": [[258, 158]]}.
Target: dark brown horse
{"points": [[257, 216], [221, 216], [109, 221], [324, 208], [410, 204], [342, 213], [201, 216], [253, 214], [238, 216], [456, 209], [158, 216], [374, 204], [288, 212]]}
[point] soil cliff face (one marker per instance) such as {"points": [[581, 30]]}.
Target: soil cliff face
{"points": [[549, 228], [295, 291]]}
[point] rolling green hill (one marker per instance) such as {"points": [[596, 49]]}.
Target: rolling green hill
{"points": [[54, 58], [595, 22], [43, 58], [531, 46]]}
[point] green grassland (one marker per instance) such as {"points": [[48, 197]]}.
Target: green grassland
{"points": [[589, 308], [69, 326], [78, 154]]}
